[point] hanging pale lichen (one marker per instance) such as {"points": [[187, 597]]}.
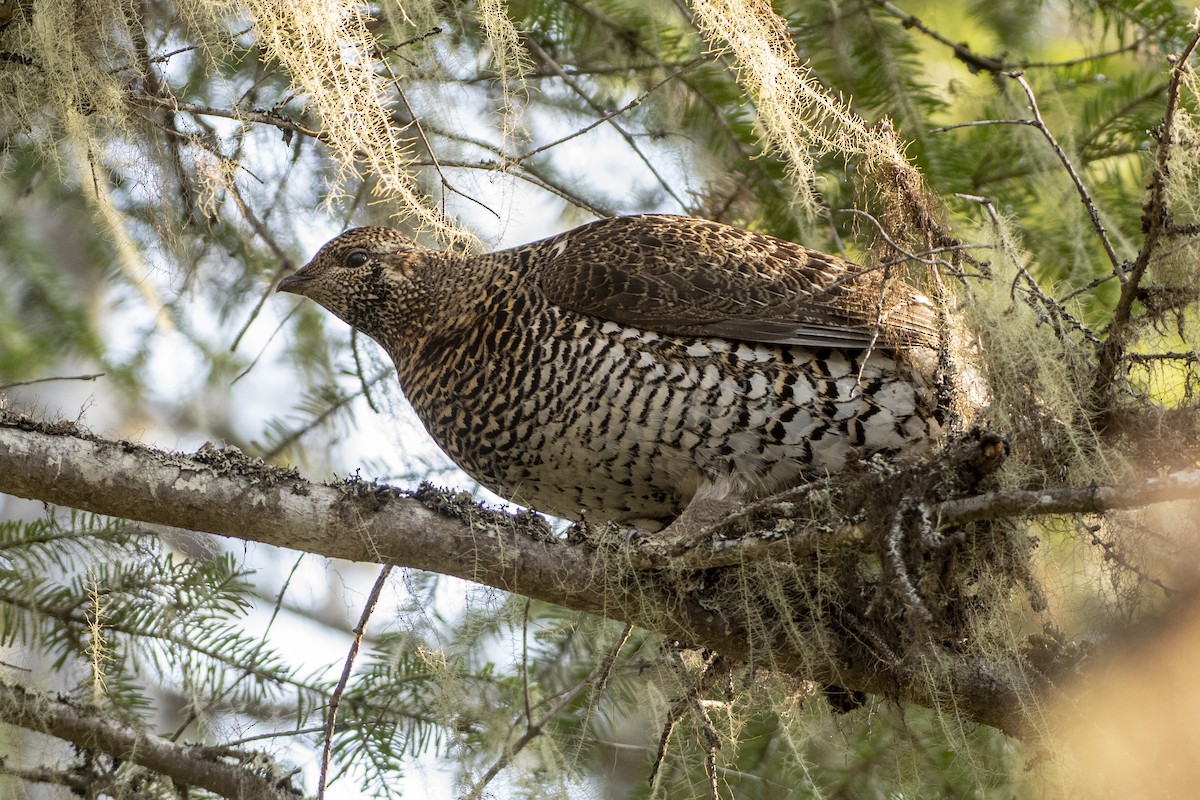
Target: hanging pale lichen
{"points": [[67, 97], [797, 114], [510, 59], [328, 50]]}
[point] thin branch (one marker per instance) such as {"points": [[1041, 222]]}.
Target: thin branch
{"points": [[420, 37], [158, 59], [980, 63], [525, 662], [502, 162], [239, 114], [253, 362], [336, 698], [717, 110], [597, 678], [1084, 196], [983, 123], [689, 700], [1184, 485], [574, 72], [187, 765], [920, 258], [1112, 553], [90, 377], [537, 50], [1154, 223], [632, 104], [1145, 358], [1054, 309], [415, 122], [974, 61], [281, 256], [1087, 288], [319, 420]]}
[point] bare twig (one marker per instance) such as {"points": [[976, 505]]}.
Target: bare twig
{"points": [[241, 115], [263, 349], [1113, 554], [158, 59], [415, 122], [632, 104], [336, 698], [980, 63], [571, 83], [90, 377], [420, 37], [1086, 288], [922, 258], [530, 175], [363, 384], [1084, 196], [690, 700], [1145, 358], [983, 123], [318, 420], [525, 662], [1054, 309], [973, 60], [268, 238], [575, 72]]}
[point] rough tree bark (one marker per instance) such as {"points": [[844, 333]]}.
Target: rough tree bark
{"points": [[223, 492]]}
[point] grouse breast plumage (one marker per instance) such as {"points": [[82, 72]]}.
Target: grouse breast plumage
{"points": [[632, 364]]}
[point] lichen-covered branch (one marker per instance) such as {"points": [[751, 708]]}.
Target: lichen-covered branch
{"points": [[223, 492], [1184, 485], [218, 771], [1155, 223]]}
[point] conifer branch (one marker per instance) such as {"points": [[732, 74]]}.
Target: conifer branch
{"points": [[598, 678]]}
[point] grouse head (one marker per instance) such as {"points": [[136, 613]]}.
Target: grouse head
{"points": [[376, 279]]}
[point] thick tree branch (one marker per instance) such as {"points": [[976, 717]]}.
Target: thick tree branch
{"points": [[89, 729], [223, 492]]}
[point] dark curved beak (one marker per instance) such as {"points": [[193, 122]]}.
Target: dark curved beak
{"points": [[294, 283]]}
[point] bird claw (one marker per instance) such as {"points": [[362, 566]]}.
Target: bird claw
{"points": [[662, 549]]}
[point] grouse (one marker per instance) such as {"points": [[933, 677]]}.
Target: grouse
{"points": [[637, 366]]}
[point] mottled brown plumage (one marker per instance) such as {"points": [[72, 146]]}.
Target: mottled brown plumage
{"points": [[635, 365]]}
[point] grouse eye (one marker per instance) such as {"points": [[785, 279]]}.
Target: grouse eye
{"points": [[356, 258]]}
